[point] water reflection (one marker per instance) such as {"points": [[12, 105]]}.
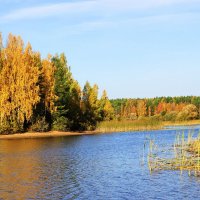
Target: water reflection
{"points": [[30, 169]]}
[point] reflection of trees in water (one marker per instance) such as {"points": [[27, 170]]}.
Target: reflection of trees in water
{"points": [[37, 169]]}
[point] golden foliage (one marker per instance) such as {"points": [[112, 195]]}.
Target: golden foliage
{"points": [[48, 81], [106, 106], [18, 81]]}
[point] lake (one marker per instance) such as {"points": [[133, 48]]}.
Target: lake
{"points": [[104, 166]]}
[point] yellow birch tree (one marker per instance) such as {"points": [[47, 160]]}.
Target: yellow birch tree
{"points": [[18, 84]]}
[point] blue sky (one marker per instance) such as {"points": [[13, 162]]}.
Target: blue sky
{"points": [[131, 48]]}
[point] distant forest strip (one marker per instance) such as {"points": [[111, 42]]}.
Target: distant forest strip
{"points": [[160, 108], [41, 94]]}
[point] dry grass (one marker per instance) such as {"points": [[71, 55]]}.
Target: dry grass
{"points": [[186, 156], [181, 123], [139, 125], [125, 125]]}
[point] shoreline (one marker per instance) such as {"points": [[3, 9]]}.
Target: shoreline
{"points": [[52, 134]]}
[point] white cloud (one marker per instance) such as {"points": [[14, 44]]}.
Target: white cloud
{"points": [[123, 5], [141, 21], [79, 8], [48, 10]]}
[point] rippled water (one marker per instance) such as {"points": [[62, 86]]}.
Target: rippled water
{"points": [[89, 167]]}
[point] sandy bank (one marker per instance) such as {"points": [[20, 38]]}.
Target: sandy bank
{"points": [[44, 134]]}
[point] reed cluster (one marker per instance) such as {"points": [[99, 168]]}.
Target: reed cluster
{"points": [[181, 123], [129, 125], [140, 125], [183, 155]]}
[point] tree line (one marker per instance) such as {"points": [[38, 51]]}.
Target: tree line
{"points": [[160, 108], [39, 94]]}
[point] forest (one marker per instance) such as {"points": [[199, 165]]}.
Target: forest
{"points": [[39, 94], [160, 108]]}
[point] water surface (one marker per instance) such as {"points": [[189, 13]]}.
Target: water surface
{"points": [[107, 166]]}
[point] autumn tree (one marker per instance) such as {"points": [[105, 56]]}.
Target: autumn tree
{"points": [[141, 108], [189, 112], [19, 90], [130, 109], [105, 107], [89, 106], [1, 48], [42, 117]]}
